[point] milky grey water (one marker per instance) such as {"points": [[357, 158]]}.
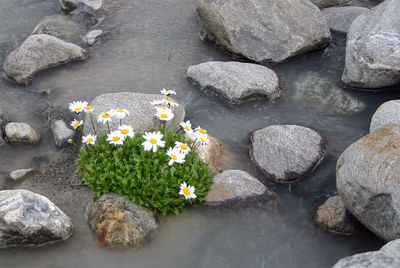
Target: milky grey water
{"points": [[149, 45]]}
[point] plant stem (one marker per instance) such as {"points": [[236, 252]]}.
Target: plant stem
{"points": [[91, 120], [108, 126]]}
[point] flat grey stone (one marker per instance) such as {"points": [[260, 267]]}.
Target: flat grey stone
{"points": [[339, 19], [38, 52], [236, 81], [285, 153], [367, 181], [62, 133], [273, 30], [372, 49], [21, 133], [141, 116], [387, 113], [316, 90], [22, 174], [91, 36], [89, 6], [328, 3], [27, 218], [387, 256], [119, 222]]}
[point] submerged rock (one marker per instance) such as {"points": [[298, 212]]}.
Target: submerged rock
{"points": [[3, 122], [333, 216], [285, 153], [61, 26], [22, 174], [236, 81], [339, 19], [22, 133], [38, 52], [367, 181], [274, 30], [313, 88], [91, 36], [328, 3], [387, 256], [61, 133], [387, 113], [372, 49], [119, 222], [27, 218], [235, 185], [141, 116], [89, 6]]}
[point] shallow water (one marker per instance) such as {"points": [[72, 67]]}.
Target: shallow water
{"points": [[149, 45]]}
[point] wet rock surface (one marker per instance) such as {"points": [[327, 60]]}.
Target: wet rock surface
{"points": [[339, 19], [27, 218], [89, 6], [264, 31], [119, 222], [141, 116], [328, 3], [22, 174], [22, 133], [387, 113], [372, 54], [366, 180], [235, 81], [38, 52], [3, 122], [62, 133], [285, 153], [90, 37]]}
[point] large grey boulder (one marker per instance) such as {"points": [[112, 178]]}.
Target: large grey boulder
{"points": [[38, 52], [273, 30], [89, 6], [372, 50], [22, 133], [367, 180], [61, 26], [285, 153], [119, 222], [316, 90], [339, 19], [387, 256], [141, 116], [236, 81], [328, 3], [27, 218], [387, 113], [234, 185]]}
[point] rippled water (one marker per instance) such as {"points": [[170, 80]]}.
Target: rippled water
{"points": [[149, 45]]}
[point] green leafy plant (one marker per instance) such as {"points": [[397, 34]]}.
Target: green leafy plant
{"points": [[144, 176]]}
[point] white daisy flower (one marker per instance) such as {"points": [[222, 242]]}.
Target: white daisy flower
{"points": [[75, 124], [104, 117], [120, 113], [203, 139], [187, 127], [157, 102], [89, 109], [176, 156], [78, 106], [89, 139], [200, 130], [153, 139], [171, 103], [164, 115], [187, 191], [167, 92], [127, 131], [182, 147], [162, 108], [115, 137]]}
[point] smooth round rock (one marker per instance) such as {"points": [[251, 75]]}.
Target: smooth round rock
{"points": [[27, 218], [141, 116], [372, 48], [119, 222], [38, 52], [339, 19], [387, 113], [285, 153], [22, 133], [236, 82], [367, 180], [273, 30]]}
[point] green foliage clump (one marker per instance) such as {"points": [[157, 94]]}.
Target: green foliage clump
{"points": [[143, 176]]}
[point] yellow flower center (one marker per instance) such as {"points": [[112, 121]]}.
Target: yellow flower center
{"points": [[174, 157], [183, 147], [164, 116], [120, 110], [125, 131], [171, 101], [163, 107], [89, 107], [70, 141], [116, 138], [153, 141], [89, 140], [77, 124], [186, 191], [203, 140], [105, 115], [77, 109], [187, 128], [202, 131]]}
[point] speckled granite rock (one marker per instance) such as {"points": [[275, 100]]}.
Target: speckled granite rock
{"points": [[387, 113], [339, 19], [21, 133]]}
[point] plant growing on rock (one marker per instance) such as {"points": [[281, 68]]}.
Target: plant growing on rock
{"points": [[159, 170]]}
